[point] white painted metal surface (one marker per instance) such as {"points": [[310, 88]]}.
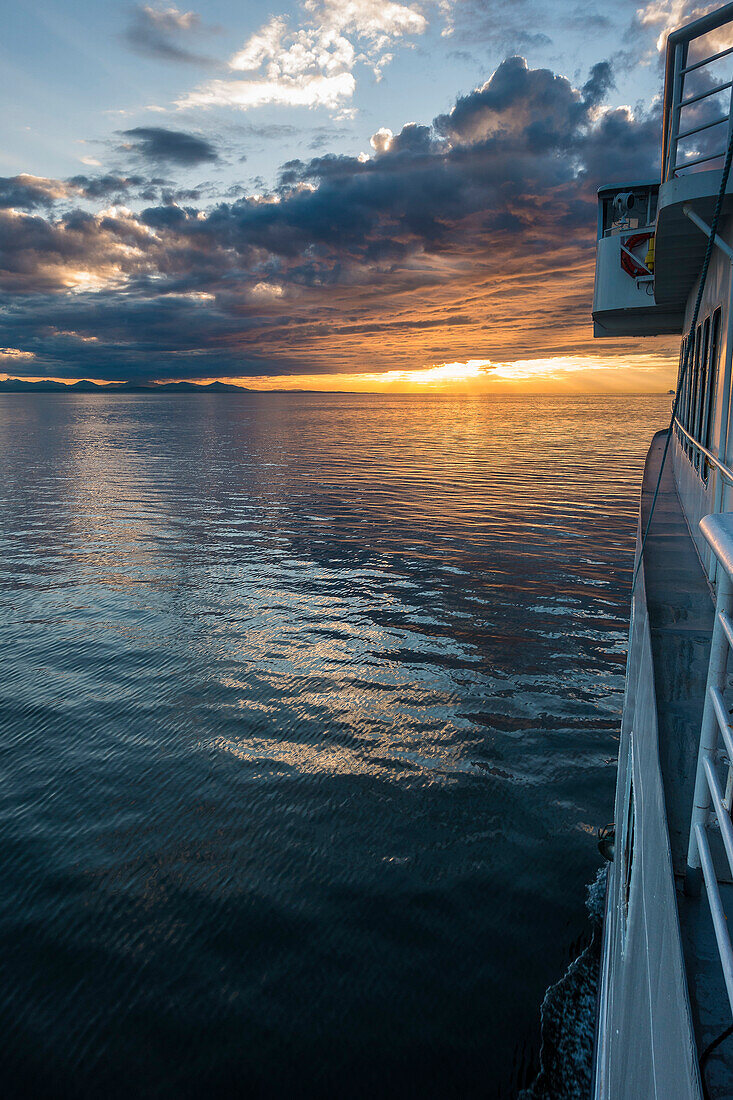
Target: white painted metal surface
{"points": [[623, 295], [615, 290], [646, 1046]]}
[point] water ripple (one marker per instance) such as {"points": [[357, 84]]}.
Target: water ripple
{"points": [[309, 703]]}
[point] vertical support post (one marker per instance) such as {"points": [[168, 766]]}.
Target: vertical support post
{"points": [[678, 83], [709, 732]]}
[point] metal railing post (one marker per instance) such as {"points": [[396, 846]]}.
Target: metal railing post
{"points": [[719, 647], [678, 82]]}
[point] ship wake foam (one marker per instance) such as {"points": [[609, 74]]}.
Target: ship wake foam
{"points": [[568, 1016]]}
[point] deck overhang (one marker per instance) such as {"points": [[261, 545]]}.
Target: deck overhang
{"points": [[680, 245]]}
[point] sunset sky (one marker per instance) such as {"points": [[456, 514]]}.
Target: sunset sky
{"points": [[323, 194]]}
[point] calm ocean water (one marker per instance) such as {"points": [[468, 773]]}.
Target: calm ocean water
{"points": [[308, 709]]}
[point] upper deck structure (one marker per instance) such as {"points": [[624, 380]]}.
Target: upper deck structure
{"points": [[650, 247]]}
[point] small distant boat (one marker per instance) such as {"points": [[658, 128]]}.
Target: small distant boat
{"points": [[665, 265]]}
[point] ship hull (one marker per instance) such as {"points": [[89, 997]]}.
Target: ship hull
{"points": [[645, 1038]]}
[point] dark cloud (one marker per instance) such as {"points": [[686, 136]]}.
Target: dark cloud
{"points": [[511, 26], [598, 84], [157, 144], [29, 192], [531, 105], [268, 131], [507, 26], [164, 34], [108, 186], [472, 237], [323, 136]]}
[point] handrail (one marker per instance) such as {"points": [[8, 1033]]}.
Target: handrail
{"points": [[676, 70], [709, 802], [724, 470]]}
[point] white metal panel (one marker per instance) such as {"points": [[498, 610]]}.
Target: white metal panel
{"points": [[646, 1046], [614, 287]]}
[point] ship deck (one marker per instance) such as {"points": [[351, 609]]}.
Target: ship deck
{"points": [[681, 612]]}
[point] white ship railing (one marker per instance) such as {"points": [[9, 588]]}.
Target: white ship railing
{"points": [[711, 803], [725, 471], [678, 124]]}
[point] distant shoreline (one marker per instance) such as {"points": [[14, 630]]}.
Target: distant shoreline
{"points": [[46, 385], [19, 385]]}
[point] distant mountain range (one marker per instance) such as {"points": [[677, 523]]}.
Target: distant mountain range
{"points": [[20, 385]]}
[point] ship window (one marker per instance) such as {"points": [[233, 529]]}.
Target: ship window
{"points": [[691, 388], [681, 386], [688, 384], [695, 389], [707, 424], [701, 372], [713, 357]]}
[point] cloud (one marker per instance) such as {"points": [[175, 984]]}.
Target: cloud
{"points": [[311, 65], [513, 26], [375, 20], [305, 90], [13, 355], [155, 143], [26, 192], [268, 130], [107, 186], [510, 26], [471, 238], [665, 16], [160, 33], [531, 104]]}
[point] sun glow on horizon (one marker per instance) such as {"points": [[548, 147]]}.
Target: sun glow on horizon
{"points": [[558, 374]]}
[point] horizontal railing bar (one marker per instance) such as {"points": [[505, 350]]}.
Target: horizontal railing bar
{"points": [[726, 828], [705, 126], [704, 95], [723, 719], [725, 470], [727, 626], [716, 911], [698, 160], [706, 61]]}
